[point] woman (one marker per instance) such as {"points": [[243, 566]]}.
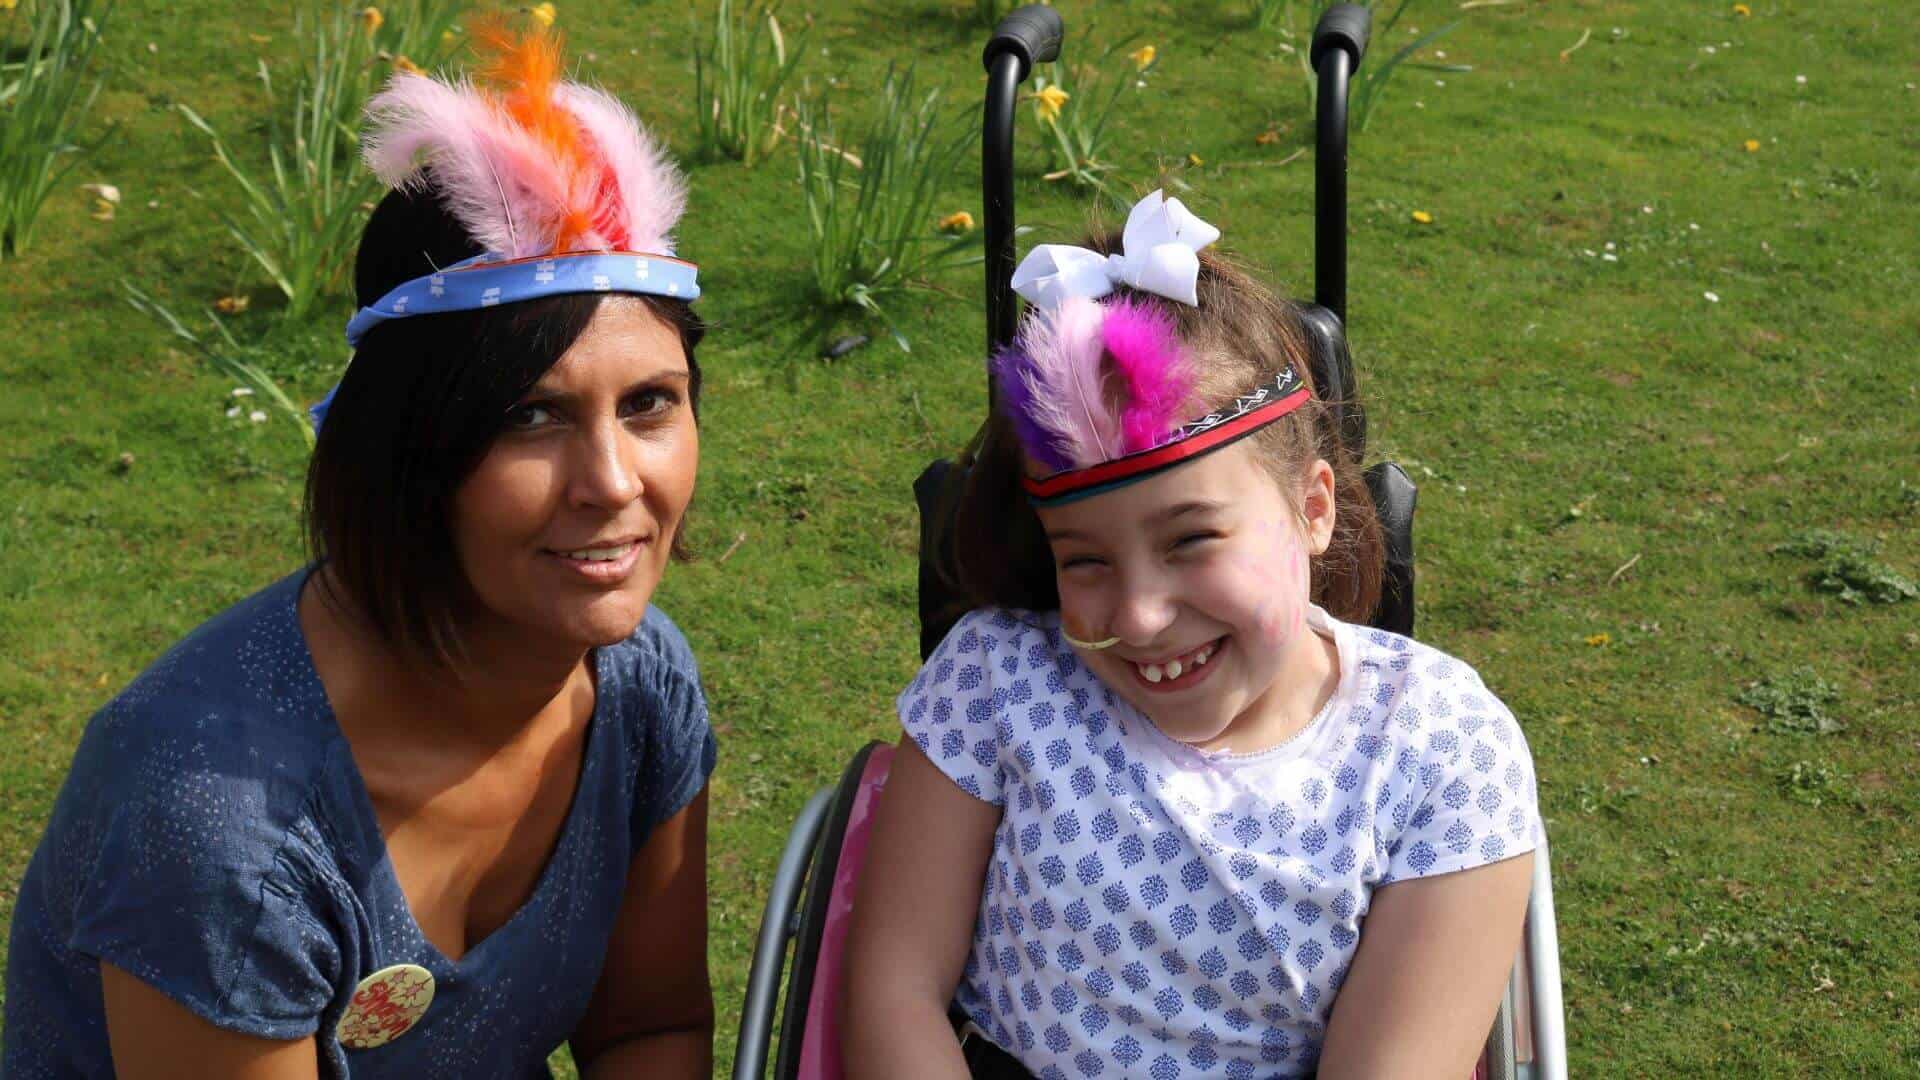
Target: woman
{"points": [[437, 803]]}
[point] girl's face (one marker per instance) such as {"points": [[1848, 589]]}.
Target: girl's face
{"points": [[564, 528], [1201, 573]]}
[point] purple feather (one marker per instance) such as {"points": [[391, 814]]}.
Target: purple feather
{"points": [[1010, 367], [1153, 369]]}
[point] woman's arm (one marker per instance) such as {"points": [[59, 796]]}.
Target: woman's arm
{"points": [[652, 1013], [913, 922], [154, 1037], [1425, 983]]}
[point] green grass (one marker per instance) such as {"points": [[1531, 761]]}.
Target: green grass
{"points": [[1732, 900]]}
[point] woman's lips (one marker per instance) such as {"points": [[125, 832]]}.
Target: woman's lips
{"points": [[600, 563]]}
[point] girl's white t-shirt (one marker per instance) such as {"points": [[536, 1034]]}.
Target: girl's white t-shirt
{"points": [[1155, 910]]}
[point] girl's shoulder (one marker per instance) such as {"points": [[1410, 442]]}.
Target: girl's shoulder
{"points": [[1412, 680]]}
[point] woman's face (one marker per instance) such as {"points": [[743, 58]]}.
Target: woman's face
{"points": [[564, 528], [1201, 574]]}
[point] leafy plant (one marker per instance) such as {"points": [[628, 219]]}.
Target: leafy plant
{"points": [[44, 100], [1074, 106], [1813, 783], [1371, 79], [226, 354], [737, 76], [989, 12], [1848, 569], [1794, 703], [872, 212], [299, 221]]}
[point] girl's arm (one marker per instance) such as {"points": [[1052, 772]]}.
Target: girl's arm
{"points": [[912, 922], [1425, 983], [153, 1037], [652, 1013]]}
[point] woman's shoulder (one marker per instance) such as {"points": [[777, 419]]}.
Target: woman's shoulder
{"points": [[236, 699], [657, 646]]}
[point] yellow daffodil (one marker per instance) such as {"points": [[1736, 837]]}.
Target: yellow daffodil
{"points": [[102, 210], [1267, 137], [371, 19], [401, 63], [544, 14], [448, 38], [8, 5], [1423, 217], [231, 305], [957, 222], [1195, 160], [1753, 146], [1048, 101], [1742, 10], [1597, 640], [1142, 57]]}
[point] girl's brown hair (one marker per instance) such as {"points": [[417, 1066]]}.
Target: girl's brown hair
{"points": [[1239, 335]]}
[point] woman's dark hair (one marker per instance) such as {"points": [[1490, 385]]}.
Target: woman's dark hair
{"points": [[422, 401], [1241, 335]]}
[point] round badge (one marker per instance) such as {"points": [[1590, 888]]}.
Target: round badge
{"points": [[385, 1006]]}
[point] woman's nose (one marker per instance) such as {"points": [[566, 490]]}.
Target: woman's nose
{"points": [[605, 472]]}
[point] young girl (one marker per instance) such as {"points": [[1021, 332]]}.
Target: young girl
{"points": [[1163, 807]]}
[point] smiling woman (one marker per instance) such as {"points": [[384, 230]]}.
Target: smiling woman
{"points": [[435, 803]]}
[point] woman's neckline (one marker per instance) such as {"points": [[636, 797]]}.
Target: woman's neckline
{"points": [[368, 819]]}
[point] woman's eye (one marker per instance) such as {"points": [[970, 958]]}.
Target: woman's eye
{"points": [[1194, 538], [529, 416], [1078, 561], [652, 402]]}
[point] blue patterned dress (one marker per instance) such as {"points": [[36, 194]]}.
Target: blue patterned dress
{"points": [[215, 840]]}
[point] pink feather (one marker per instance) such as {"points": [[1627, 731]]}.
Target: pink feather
{"points": [[1066, 381], [652, 192], [505, 185], [1158, 380]]}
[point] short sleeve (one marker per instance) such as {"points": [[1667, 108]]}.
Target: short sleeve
{"points": [[1479, 803], [950, 710], [678, 746], [210, 914]]}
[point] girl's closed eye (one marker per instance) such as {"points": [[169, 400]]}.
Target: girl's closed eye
{"points": [[1195, 539]]}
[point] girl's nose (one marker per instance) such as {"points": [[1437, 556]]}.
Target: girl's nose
{"points": [[605, 472], [1142, 611]]}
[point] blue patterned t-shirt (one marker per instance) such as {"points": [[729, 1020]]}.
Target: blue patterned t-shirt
{"points": [[1155, 910], [215, 840]]}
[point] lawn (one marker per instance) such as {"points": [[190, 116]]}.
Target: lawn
{"points": [[1664, 319]]}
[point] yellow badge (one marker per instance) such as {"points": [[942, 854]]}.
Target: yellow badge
{"points": [[385, 1006]]}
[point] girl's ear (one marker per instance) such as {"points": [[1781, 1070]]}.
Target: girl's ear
{"points": [[1316, 506]]}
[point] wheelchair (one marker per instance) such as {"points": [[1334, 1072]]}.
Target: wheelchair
{"points": [[811, 897]]}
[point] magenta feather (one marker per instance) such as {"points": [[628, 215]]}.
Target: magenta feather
{"points": [[1155, 376]]}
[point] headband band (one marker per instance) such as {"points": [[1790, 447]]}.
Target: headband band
{"points": [[1250, 412], [484, 281]]}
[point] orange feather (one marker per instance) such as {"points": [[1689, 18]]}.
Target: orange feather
{"points": [[523, 70]]}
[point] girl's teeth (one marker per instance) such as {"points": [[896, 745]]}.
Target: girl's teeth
{"points": [[1201, 656], [1152, 672], [1173, 670]]}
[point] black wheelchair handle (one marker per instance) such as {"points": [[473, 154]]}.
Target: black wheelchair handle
{"points": [[1344, 26], [1032, 33]]}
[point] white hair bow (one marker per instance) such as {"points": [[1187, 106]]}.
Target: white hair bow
{"points": [[1159, 254]]}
